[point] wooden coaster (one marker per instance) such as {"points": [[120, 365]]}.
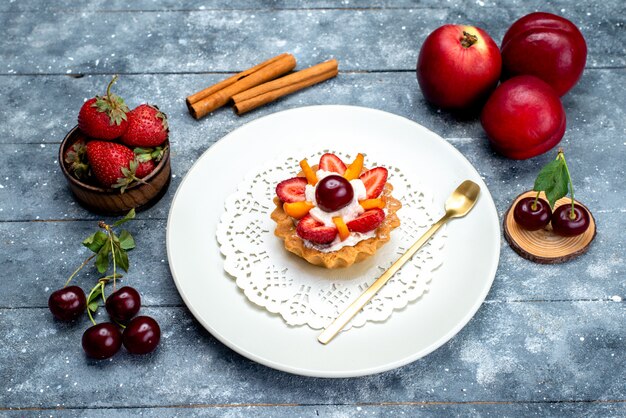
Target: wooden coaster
{"points": [[544, 246]]}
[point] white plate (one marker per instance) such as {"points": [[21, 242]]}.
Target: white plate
{"points": [[456, 292]]}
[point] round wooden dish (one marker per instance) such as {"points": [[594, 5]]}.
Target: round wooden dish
{"points": [[544, 246], [111, 201]]}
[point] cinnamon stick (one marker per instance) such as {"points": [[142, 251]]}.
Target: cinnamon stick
{"points": [[211, 98], [272, 90]]}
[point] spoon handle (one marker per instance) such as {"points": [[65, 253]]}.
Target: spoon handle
{"points": [[337, 325]]}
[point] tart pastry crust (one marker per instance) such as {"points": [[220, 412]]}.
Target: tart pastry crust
{"points": [[345, 256]]}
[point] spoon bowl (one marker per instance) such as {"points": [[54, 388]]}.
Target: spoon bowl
{"points": [[462, 199]]}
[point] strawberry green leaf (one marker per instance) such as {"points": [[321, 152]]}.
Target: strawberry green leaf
{"points": [[143, 157], [130, 215], [157, 154], [95, 241], [102, 259], [126, 240], [552, 179]]}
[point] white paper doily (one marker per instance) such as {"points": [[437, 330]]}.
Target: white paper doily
{"points": [[283, 283]]}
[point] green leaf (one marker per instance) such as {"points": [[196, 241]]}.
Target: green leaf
{"points": [[143, 158], [140, 150], [552, 179], [126, 240], [545, 178], [92, 301], [130, 215], [102, 259], [95, 241], [121, 258]]}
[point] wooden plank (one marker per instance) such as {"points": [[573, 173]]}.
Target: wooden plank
{"points": [[52, 250], [229, 40], [171, 5], [426, 409], [47, 121], [510, 352]]}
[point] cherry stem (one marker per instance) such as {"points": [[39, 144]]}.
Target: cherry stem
{"points": [[468, 39], [79, 269], [561, 155], [93, 321], [534, 205], [101, 284], [113, 80], [108, 228], [120, 325]]}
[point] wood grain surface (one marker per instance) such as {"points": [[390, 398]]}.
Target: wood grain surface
{"points": [[549, 340]]}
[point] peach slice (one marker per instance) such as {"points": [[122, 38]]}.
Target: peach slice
{"points": [[297, 210], [308, 172], [342, 228], [354, 170], [373, 203]]}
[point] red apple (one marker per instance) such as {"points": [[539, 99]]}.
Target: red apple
{"points": [[547, 46], [523, 117], [458, 66]]}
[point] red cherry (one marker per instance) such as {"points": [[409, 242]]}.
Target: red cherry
{"points": [[333, 193], [567, 226], [123, 304], [67, 303], [532, 215], [142, 335], [102, 340]]}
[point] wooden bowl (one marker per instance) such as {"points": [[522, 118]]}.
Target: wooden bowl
{"points": [[111, 201], [544, 246]]}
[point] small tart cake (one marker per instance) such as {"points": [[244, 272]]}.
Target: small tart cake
{"points": [[334, 215]]}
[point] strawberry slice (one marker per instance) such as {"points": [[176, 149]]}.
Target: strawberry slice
{"points": [[330, 162], [312, 230], [291, 190], [367, 221], [374, 181]]}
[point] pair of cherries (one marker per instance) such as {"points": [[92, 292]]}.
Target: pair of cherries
{"points": [[567, 220], [141, 334]]}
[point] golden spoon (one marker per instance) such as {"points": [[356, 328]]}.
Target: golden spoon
{"points": [[460, 202]]}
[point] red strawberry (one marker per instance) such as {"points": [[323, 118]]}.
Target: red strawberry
{"points": [[147, 127], [367, 221], [113, 164], [104, 117], [145, 168], [330, 162], [75, 158], [374, 181], [310, 229], [292, 190], [147, 159]]}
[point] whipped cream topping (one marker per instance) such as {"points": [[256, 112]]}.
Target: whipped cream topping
{"points": [[348, 213], [337, 244]]}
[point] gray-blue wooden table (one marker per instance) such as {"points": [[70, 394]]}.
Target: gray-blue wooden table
{"points": [[549, 340]]}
